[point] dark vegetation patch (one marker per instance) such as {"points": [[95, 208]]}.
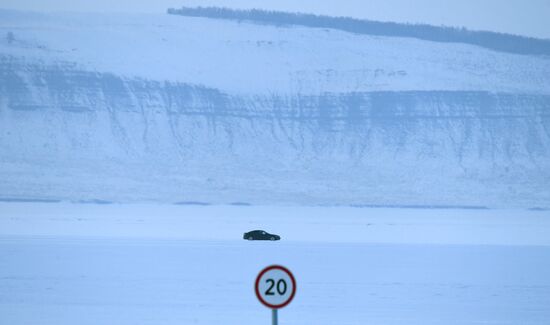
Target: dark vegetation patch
{"points": [[95, 201], [240, 203], [491, 40], [419, 206], [192, 203], [538, 209]]}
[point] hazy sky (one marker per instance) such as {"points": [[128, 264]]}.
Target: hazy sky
{"points": [[525, 17]]}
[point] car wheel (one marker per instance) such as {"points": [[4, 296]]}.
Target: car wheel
{"points": [[272, 238], [250, 238]]}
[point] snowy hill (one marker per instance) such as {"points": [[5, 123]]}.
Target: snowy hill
{"points": [[178, 109]]}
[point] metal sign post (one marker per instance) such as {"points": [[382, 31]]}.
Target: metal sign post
{"points": [[274, 316], [275, 287]]}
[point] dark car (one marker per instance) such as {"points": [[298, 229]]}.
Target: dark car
{"points": [[260, 235]]}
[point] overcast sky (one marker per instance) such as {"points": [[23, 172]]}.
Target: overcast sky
{"points": [[525, 17]]}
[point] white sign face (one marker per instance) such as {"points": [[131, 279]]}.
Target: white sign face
{"points": [[275, 287]]}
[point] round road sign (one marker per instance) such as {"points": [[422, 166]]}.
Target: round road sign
{"points": [[275, 286]]}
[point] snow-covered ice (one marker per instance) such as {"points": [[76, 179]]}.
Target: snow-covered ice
{"points": [[164, 264]]}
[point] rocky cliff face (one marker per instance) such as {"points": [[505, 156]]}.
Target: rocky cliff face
{"points": [[69, 133]]}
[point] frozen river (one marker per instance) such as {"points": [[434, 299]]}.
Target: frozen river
{"points": [[161, 264]]}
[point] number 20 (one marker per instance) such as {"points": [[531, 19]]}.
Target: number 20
{"points": [[281, 287]]}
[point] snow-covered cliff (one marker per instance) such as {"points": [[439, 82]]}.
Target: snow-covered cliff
{"points": [[163, 108]]}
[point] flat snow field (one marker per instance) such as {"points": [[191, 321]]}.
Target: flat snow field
{"points": [[63, 263]]}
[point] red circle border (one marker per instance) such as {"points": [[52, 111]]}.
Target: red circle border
{"points": [[257, 286]]}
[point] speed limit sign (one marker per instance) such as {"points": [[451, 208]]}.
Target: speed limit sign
{"points": [[275, 288]]}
